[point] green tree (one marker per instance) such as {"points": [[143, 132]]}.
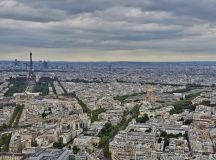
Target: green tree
{"points": [[188, 121], [44, 115], [4, 126], [148, 130], [58, 145], [103, 141], [166, 142], [107, 152], [34, 144], [206, 103], [173, 111], [143, 119], [159, 140], [19, 85], [50, 111], [181, 119], [4, 142], [180, 135], [163, 134], [131, 130], [76, 149]]}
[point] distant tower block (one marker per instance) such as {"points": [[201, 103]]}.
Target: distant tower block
{"points": [[26, 65], [45, 65], [110, 68], [31, 76], [150, 96], [15, 64]]}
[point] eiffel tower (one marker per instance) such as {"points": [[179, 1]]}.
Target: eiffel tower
{"points": [[31, 80]]}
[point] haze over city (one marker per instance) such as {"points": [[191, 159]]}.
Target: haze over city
{"points": [[96, 30]]}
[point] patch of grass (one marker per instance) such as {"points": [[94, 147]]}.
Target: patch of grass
{"points": [[19, 86], [43, 84], [4, 142], [124, 97]]}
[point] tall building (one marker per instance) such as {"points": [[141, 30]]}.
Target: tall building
{"points": [[26, 65], [45, 65], [15, 63], [40, 64], [31, 76]]}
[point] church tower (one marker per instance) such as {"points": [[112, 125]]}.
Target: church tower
{"points": [[149, 95]]}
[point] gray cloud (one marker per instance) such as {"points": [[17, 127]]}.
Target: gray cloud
{"points": [[181, 26]]}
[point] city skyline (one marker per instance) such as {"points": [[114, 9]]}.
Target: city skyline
{"points": [[150, 31]]}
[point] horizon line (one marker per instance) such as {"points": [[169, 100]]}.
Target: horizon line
{"points": [[110, 61]]}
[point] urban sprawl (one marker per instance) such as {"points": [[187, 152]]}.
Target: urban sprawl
{"points": [[107, 110]]}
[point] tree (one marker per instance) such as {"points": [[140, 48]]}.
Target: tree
{"points": [[4, 126], [103, 141], [173, 111], [76, 149], [163, 134], [206, 103], [44, 115], [106, 130], [192, 107], [181, 119], [143, 119], [34, 144], [108, 125], [4, 148], [148, 130], [188, 121], [180, 134], [159, 140], [131, 130], [125, 113], [171, 135], [69, 147], [107, 152], [166, 142], [4, 142], [50, 111], [185, 136]]}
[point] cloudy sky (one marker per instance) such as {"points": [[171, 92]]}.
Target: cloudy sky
{"points": [[108, 30]]}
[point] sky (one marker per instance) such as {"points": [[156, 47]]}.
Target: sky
{"points": [[108, 30]]}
